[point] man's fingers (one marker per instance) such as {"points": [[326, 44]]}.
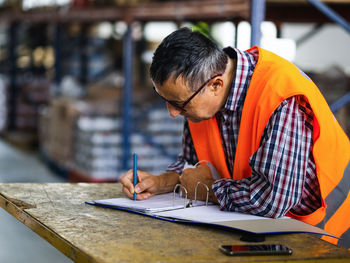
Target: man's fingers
{"points": [[127, 193], [144, 196], [144, 188], [126, 177], [141, 196], [127, 181], [129, 185], [144, 185]]}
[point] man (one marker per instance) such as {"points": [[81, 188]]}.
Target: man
{"points": [[261, 123]]}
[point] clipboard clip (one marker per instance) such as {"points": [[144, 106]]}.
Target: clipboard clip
{"points": [[190, 203], [195, 193], [174, 192]]}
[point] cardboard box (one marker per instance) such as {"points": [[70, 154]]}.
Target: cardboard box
{"points": [[61, 121]]}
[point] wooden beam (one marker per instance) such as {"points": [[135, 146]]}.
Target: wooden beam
{"points": [[193, 10], [213, 10], [302, 13]]}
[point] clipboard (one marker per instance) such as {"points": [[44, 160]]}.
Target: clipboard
{"points": [[157, 203], [183, 210]]}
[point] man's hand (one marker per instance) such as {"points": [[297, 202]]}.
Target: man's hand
{"points": [[191, 176], [148, 184]]}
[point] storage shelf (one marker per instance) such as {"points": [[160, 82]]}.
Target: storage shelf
{"points": [[170, 10], [278, 11], [300, 11], [210, 10]]}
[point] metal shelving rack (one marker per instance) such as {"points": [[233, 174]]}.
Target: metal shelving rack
{"points": [[255, 11], [178, 11]]}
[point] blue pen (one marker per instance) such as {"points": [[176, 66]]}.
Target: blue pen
{"points": [[135, 173]]}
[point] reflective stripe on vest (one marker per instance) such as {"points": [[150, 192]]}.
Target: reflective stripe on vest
{"points": [[344, 240], [274, 80], [338, 207]]}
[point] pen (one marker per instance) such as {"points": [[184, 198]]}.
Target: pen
{"points": [[135, 173]]}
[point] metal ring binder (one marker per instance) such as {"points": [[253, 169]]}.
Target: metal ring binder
{"points": [[195, 193], [201, 162], [174, 191]]}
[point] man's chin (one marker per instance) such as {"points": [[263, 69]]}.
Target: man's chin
{"points": [[196, 120]]}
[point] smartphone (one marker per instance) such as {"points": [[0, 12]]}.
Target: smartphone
{"points": [[263, 249]]}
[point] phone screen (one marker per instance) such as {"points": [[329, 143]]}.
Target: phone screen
{"points": [[264, 249]]}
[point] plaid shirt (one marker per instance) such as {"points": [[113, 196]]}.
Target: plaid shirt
{"points": [[283, 169]]}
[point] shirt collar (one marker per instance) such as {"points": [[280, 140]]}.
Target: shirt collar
{"points": [[245, 65]]}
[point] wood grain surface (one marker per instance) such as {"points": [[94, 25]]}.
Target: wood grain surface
{"points": [[85, 233]]}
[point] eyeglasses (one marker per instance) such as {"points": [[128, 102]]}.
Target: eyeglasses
{"points": [[181, 106]]}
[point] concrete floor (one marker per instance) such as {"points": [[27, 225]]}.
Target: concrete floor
{"points": [[19, 244]]}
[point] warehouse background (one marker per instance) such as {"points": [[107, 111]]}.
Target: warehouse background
{"points": [[64, 114]]}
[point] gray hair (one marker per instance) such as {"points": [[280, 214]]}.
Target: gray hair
{"points": [[190, 55]]}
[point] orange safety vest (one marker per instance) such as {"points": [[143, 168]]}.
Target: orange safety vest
{"points": [[274, 80]]}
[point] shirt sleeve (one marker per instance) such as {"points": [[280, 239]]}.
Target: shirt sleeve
{"points": [[188, 154], [278, 167]]}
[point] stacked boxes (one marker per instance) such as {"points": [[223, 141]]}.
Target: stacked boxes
{"points": [[97, 146], [160, 141], [32, 95], [86, 136], [56, 129], [83, 135]]}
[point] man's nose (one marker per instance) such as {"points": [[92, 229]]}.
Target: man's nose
{"points": [[173, 111]]}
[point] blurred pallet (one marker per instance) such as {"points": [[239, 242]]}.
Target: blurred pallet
{"points": [[54, 167], [75, 176], [25, 141], [71, 175]]}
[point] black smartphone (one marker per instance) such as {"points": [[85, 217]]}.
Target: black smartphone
{"points": [[263, 249]]}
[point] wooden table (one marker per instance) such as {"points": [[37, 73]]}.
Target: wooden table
{"points": [[86, 233]]}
